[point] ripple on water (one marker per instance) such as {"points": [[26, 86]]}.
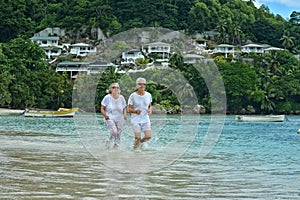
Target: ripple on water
{"points": [[41, 159]]}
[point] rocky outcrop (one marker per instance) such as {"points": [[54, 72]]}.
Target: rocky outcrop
{"points": [[199, 109]]}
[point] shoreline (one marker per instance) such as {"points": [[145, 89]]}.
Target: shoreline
{"points": [[15, 112], [10, 112]]}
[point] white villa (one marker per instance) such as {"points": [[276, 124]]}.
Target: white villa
{"points": [[270, 49], [45, 41], [82, 49], [192, 58], [253, 48], [53, 51], [130, 57], [97, 67], [224, 49], [199, 44], [49, 44], [161, 49], [72, 68], [78, 68]]}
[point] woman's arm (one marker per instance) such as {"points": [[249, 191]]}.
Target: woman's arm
{"points": [[125, 113], [103, 112]]}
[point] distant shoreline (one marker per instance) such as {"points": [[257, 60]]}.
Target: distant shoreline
{"points": [[14, 112], [7, 111]]}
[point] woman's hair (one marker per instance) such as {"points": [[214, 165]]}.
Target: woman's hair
{"points": [[109, 89]]}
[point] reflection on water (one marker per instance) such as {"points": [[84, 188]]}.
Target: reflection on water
{"points": [[45, 159]]}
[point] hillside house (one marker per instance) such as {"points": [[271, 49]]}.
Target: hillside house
{"points": [[192, 58], [98, 67], [270, 49], [130, 57], [253, 48], [199, 44], [45, 41], [49, 44], [53, 51], [75, 69], [224, 49], [162, 50], [82, 49]]}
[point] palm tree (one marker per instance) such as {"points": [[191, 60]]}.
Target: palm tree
{"points": [[287, 40], [184, 92], [236, 34], [273, 63], [295, 18], [269, 93], [222, 29]]}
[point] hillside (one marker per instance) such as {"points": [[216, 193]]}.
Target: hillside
{"points": [[269, 84], [236, 20]]}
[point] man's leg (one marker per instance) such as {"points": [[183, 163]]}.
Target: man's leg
{"points": [[147, 132], [147, 136]]}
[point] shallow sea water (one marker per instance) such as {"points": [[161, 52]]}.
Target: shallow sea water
{"points": [[66, 159]]}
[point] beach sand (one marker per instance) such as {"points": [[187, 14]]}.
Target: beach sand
{"points": [[6, 111]]}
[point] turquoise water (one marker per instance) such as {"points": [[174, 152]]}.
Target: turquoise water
{"points": [[65, 159]]}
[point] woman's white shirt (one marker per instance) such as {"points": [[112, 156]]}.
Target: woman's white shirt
{"points": [[114, 107]]}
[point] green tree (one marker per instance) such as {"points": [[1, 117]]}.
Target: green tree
{"points": [[14, 20], [295, 18], [277, 76], [198, 16], [31, 82], [240, 81], [5, 80], [222, 29], [287, 40]]}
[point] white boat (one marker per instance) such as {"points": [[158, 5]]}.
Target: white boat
{"points": [[260, 118], [60, 113]]}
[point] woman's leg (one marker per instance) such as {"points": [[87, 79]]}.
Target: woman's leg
{"points": [[111, 125], [119, 126]]}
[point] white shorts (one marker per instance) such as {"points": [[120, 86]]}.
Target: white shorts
{"points": [[141, 127]]}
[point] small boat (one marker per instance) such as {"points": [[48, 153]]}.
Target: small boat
{"points": [[60, 113], [260, 118]]}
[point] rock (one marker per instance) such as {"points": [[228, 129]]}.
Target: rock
{"points": [[199, 109], [243, 111], [157, 110]]}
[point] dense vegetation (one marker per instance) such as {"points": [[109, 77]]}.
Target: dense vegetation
{"points": [[269, 84], [26, 80], [236, 20]]}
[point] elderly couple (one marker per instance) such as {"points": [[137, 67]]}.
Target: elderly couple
{"points": [[113, 108]]}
